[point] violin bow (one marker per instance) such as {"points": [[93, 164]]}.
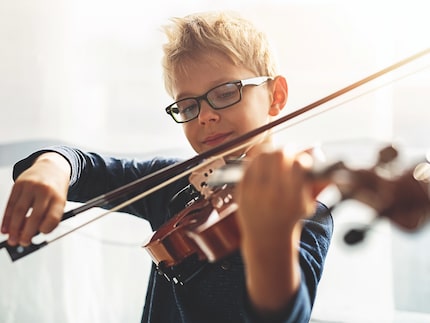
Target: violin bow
{"points": [[169, 174]]}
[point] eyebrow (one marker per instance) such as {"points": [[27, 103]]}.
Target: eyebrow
{"points": [[185, 95]]}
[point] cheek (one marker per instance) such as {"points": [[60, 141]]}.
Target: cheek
{"points": [[187, 131], [259, 99], [191, 134], [256, 113], [253, 121]]}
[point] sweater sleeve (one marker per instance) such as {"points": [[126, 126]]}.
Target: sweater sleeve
{"points": [[314, 243], [93, 175]]}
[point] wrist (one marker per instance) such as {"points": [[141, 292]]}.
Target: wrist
{"points": [[272, 271], [56, 160]]}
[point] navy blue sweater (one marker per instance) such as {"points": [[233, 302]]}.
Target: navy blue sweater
{"points": [[217, 293]]}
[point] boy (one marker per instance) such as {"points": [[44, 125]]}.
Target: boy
{"points": [[221, 74]]}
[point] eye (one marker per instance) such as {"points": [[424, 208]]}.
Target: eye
{"points": [[224, 93], [187, 108]]}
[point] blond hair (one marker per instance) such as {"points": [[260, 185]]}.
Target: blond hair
{"points": [[224, 32]]}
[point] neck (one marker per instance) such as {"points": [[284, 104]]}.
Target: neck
{"points": [[262, 145]]}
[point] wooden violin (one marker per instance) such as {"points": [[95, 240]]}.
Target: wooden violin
{"points": [[191, 231], [208, 227]]}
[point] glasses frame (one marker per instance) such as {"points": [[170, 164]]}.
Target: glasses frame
{"points": [[256, 81]]}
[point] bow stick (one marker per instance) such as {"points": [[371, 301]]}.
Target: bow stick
{"points": [[173, 172]]}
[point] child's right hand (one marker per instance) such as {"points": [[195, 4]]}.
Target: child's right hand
{"points": [[37, 200]]}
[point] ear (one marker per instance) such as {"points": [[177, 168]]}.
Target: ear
{"points": [[279, 95]]}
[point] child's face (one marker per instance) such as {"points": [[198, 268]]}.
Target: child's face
{"points": [[213, 127]]}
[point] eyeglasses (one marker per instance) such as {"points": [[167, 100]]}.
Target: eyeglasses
{"points": [[219, 97]]}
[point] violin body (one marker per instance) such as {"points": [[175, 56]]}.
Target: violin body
{"points": [[207, 228], [219, 236], [170, 244]]}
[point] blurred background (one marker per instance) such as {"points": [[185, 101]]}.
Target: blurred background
{"points": [[87, 73]]}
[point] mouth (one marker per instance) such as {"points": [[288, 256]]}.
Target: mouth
{"points": [[216, 139]]}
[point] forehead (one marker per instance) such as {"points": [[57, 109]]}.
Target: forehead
{"points": [[197, 74]]}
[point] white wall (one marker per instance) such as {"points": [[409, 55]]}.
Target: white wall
{"points": [[88, 73]]}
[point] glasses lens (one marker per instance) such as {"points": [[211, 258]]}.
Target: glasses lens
{"points": [[224, 95], [185, 110]]}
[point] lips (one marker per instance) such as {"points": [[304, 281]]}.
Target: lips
{"points": [[216, 139]]}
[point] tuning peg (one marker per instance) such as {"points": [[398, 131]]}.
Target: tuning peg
{"points": [[355, 236], [387, 155]]}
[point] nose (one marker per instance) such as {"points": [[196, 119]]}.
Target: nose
{"points": [[207, 113]]}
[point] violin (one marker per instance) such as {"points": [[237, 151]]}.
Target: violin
{"points": [[206, 228]]}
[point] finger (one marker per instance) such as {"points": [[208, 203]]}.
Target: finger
{"points": [[267, 166], [306, 160], [53, 216], [307, 188], [14, 195], [261, 180], [318, 187], [17, 215], [33, 221]]}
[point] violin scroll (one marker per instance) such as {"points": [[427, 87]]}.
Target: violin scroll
{"points": [[402, 196]]}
